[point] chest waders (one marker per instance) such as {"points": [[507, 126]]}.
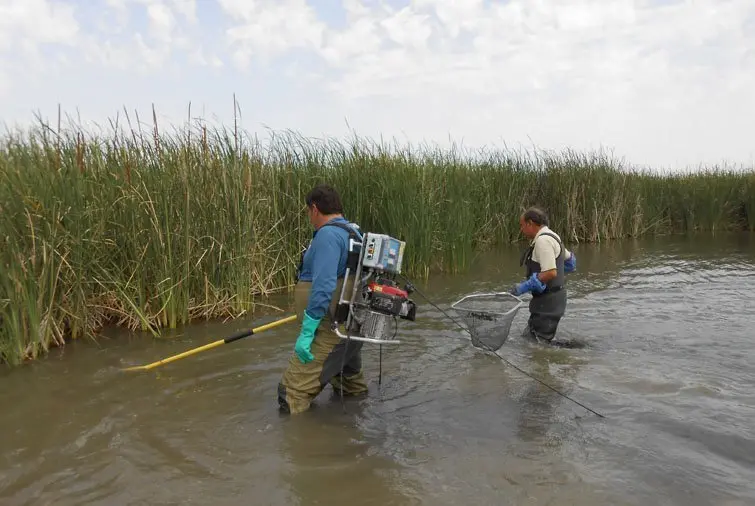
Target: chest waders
{"points": [[301, 383], [547, 308]]}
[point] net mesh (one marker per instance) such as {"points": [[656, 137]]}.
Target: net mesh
{"points": [[488, 317]]}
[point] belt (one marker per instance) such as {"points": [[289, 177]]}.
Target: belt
{"points": [[548, 290]]}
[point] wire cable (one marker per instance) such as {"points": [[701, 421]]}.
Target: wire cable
{"points": [[414, 288]]}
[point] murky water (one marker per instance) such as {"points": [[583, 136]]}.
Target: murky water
{"points": [[667, 328]]}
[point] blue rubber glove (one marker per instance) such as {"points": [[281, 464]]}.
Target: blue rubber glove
{"points": [[571, 264], [306, 336], [531, 284]]}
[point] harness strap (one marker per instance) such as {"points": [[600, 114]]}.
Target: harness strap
{"points": [[353, 256], [528, 251], [342, 226], [528, 256], [560, 244]]}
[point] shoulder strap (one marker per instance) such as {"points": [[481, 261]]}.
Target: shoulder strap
{"points": [[527, 252], [353, 255], [343, 226], [352, 260], [525, 255], [560, 243]]}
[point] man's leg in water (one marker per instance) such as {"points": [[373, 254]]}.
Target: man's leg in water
{"points": [[301, 383]]}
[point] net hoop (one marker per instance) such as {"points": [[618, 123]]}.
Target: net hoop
{"points": [[489, 327]]}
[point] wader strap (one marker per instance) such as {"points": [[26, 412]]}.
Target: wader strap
{"points": [[528, 252], [560, 244], [527, 258], [525, 255], [343, 226], [353, 256]]}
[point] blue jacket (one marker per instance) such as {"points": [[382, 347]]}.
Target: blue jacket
{"points": [[323, 264]]}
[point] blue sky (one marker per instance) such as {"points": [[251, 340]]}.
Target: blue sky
{"points": [[662, 83]]}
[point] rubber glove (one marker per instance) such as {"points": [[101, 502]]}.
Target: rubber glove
{"points": [[531, 284], [571, 264], [306, 336]]}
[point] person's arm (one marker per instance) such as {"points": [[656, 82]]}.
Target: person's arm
{"points": [[326, 254], [546, 276], [570, 262]]}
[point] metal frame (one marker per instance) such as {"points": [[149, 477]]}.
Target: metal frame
{"points": [[472, 314], [357, 283], [482, 294]]}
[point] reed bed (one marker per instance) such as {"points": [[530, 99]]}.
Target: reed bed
{"points": [[150, 230]]}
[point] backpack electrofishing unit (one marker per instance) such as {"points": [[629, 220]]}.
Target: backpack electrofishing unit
{"points": [[376, 299]]}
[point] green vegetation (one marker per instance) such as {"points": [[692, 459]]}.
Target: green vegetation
{"points": [[149, 230]]}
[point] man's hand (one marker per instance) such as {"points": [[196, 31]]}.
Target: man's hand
{"points": [[303, 345], [531, 284], [570, 265]]}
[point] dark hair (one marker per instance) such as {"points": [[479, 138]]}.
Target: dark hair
{"points": [[536, 216], [326, 198]]}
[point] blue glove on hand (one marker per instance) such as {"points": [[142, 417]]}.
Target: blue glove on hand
{"points": [[571, 264], [306, 336], [532, 284]]}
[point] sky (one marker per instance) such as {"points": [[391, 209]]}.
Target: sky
{"points": [[667, 84]]}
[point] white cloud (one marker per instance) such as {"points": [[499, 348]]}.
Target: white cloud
{"points": [[586, 45], [187, 8], [31, 23], [198, 57], [618, 63], [27, 28], [161, 21], [455, 15], [359, 37], [267, 28], [408, 28], [663, 81], [171, 26]]}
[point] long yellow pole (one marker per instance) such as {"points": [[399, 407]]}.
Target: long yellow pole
{"points": [[214, 344]]}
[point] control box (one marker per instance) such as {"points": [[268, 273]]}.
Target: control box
{"points": [[383, 252]]}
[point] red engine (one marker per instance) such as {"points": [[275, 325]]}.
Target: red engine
{"points": [[384, 296]]}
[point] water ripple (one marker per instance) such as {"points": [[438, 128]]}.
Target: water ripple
{"points": [[668, 361]]}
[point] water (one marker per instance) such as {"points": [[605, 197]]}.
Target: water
{"points": [[667, 328]]}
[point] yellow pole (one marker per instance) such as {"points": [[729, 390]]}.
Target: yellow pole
{"points": [[214, 344]]}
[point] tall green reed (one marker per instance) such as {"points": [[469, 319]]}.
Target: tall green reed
{"points": [[148, 230]]}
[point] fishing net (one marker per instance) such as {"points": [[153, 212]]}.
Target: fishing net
{"points": [[488, 317]]}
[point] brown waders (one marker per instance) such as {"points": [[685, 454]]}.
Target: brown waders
{"points": [[301, 383]]}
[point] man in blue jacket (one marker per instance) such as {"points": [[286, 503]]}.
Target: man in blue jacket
{"points": [[319, 353]]}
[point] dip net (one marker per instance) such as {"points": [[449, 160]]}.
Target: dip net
{"points": [[488, 317]]}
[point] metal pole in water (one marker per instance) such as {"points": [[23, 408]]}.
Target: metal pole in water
{"points": [[214, 344]]}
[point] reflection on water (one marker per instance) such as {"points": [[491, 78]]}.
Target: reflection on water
{"points": [[668, 359]]}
